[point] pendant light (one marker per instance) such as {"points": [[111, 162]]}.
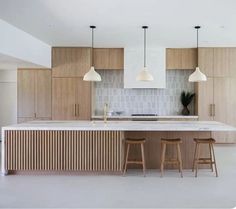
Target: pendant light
{"points": [[144, 74], [197, 75], [92, 75]]}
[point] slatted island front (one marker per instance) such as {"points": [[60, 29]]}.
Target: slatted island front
{"points": [[94, 146]]}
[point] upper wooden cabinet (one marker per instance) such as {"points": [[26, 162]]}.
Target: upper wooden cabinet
{"points": [[71, 99], [205, 61], [217, 62], [181, 58], [70, 61], [221, 62], [34, 93], [109, 58]]}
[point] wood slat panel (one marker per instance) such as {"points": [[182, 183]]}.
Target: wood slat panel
{"points": [[63, 150]]}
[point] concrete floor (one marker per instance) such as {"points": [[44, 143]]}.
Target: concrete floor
{"points": [[132, 191]]}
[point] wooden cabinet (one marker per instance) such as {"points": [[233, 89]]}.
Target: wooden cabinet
{"points": [[216, 97], [109, 58], [70, 61], [33, 93], [71, 99], [116, 58], [101, 58], [205, 100], [25, 93], [205, 60], [221, 62], [181, 58]]}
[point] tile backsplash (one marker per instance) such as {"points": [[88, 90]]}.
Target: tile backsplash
{"points": [[159, 101]]}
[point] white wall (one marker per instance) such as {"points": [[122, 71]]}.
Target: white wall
{"points": [[8, 97], [21, 45]]}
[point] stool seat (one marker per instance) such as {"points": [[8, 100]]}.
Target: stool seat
{"points": [[178, 160], [171, 141], [135, 141], [206, 140], [204, 160]]}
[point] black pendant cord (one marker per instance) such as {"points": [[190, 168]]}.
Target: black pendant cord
{"points": [[197, 28], [145, 46], [92, 27]]}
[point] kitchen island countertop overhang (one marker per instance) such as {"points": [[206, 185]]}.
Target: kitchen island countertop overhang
{"points": [[123, 126]]}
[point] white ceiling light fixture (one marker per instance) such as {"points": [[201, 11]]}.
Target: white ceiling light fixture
{"points": [[197, 75], [144, 74], [92, 75]]}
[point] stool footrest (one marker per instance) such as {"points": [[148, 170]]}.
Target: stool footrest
{"points": [[134, 162]]}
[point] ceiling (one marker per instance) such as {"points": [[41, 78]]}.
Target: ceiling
{"points": [[11, 63], [66, 22]]}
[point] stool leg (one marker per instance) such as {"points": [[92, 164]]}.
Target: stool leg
{"points": [[163, 153], [211, 157], [126, 158], [194, 157], [214, 159], [143, 160], [180, 160], [197, 159]]}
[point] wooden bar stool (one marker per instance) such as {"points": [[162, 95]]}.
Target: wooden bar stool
{"points": [[130, 142], [210, 161], [178, 160]]}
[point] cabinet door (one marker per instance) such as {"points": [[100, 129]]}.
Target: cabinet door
{"points": [[231, 113], [43, 93], [222, 105], [232, 64], [116, 58], [205, 61], [205, 100], [101, 58], [189, 58], [70, 61], [173, 59], [25, 93], [221, 62], [64, 98], [83, 105]]}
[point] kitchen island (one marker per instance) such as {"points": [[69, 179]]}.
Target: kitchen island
{"points": [[94, 145]]}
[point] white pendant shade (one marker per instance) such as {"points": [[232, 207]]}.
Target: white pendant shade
{"points": [[144, 75], [197, 76], [92, 75]]}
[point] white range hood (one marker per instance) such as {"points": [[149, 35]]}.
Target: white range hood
{"points": [[156, 64]]}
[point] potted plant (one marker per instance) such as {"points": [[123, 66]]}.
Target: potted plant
{"points": [[186, 99]]}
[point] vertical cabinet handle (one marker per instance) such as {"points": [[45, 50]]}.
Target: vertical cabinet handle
{"points": [[35, 115], [214, 110], [78, 109], [211, 110], [75, 110]]}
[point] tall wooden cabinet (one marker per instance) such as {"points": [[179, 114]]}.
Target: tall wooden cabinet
{"points": [[33, 94], [216, 97], [71, 96]]}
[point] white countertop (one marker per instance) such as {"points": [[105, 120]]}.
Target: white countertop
{"points": [[146, 117], [123, 126]]}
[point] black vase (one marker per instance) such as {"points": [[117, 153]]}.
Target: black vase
{"points": [[185, 111]]}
